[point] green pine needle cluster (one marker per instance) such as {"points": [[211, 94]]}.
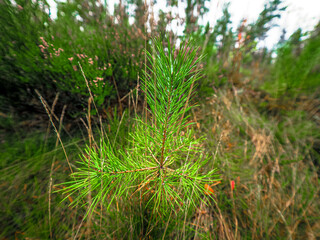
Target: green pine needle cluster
{"points": [[163, 161]]}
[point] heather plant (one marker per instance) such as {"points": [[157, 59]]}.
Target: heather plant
{"points": [[66, 68], [98, 45], [46, 54], [162, 163]]}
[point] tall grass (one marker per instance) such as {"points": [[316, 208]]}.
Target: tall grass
{"points": [[271, 161]]}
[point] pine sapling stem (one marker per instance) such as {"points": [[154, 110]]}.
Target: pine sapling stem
{"points": [[165, 127]]}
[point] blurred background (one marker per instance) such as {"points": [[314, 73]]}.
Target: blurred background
{"points": [[258, 107]]}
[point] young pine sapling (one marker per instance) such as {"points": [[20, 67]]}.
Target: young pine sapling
{"points": [[163, 160]]}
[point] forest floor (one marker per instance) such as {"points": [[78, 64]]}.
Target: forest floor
{"points": [[267, 151]]}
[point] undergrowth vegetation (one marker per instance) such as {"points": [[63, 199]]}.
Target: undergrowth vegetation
{"points": [[108, 134]]}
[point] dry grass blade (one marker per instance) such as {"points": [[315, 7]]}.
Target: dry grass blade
{"points": [[57, 132], [51, 170]]}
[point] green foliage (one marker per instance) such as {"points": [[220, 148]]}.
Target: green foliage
{"points": [[191, 18], [296, 66], [271, 11], [21, 65], [230, 53], [161, 163]]}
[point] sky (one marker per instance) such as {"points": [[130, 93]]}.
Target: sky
{"points": [[299, 13]]}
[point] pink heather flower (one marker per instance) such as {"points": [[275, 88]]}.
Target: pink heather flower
{"points": [[109, 64], [232, 184], [42, 48], [75, 68], [44, 42], [70, 59], [50, 55], [19, 7], [52, 37], [82, 55], [95, 80], [96, 58], [100, 79], [104, 68], [78, 55]]}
